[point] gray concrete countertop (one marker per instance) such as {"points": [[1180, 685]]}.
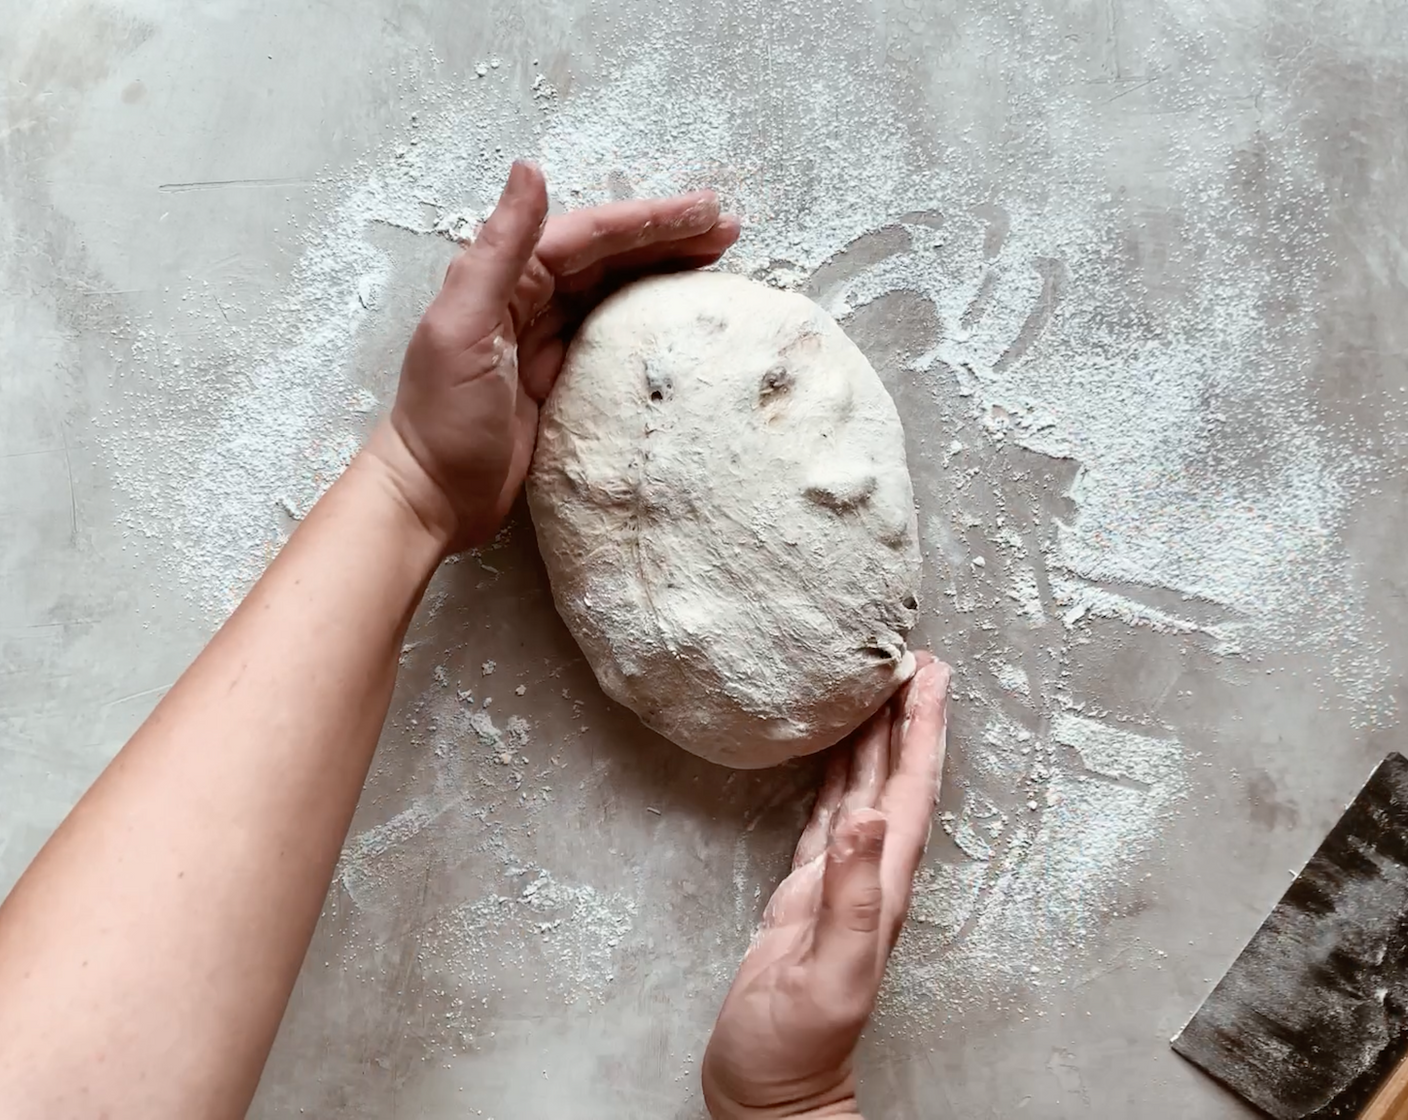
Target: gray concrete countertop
{"points": [[1134, 273]]}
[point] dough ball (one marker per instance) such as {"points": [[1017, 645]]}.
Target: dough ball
{"points": [[722, 502]]}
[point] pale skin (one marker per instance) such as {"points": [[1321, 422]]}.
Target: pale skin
{"points": [[148, 953]]}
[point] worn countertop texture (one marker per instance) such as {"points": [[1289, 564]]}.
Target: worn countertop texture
{"points": [[1134, 272]]}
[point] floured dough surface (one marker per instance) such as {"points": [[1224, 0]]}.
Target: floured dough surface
{"points": [[722, 502]]}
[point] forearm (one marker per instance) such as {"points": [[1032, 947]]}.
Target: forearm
{"points": [[147, 955]]}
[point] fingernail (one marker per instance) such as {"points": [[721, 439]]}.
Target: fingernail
{"points": [[518, 174], [703, 205], [870, 838]]}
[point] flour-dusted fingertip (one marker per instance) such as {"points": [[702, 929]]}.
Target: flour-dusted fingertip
{"points": [[491, 269], [937, 689], [929, 684], [944, 677], [524, 192], [916, 690], [922, 727], [523, 175], [701, 212]]}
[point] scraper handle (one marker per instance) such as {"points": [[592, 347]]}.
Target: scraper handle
{"points": [[1391, 1101]]}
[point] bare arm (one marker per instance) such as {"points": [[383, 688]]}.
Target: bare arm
{"points": [[148, 953]]}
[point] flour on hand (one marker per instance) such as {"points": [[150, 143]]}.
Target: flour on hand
{"points": [[722, 501]]}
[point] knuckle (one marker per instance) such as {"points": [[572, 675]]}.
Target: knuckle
{"points": [[850, 1007], [543, 280], [534, 290], [462, 263], [536, 273], [859, 910], [438, 330], [797, 982], [863, 911]]}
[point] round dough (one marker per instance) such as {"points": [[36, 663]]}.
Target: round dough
{"points": [[722, 502]]}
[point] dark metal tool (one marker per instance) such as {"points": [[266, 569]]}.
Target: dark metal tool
{"points": [[1311, 1021]]}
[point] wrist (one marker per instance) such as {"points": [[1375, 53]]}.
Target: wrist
{"points": [[431, 514], [830, 1112], [840, 1106]]}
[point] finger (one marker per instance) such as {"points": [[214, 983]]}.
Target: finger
{"points": [[797, 898], [828, 801], [556, 321], [579, 239], [849, 937], [870, 765], [918, 736], [909, 796], [531, 295], [578, 305], [712, 243], [615, 281], [491, 268], [525, 422], [544, 342], [898, 701], [538, 372]]}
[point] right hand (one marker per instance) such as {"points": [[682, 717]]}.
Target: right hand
{"points": [[785, 1039], [489, 347]]}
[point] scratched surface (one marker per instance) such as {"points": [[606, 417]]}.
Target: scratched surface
{"points": [[1309, 1020], [539, 918]]}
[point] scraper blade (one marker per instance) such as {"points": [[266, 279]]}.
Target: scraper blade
{"points": [[1313, 1016]]}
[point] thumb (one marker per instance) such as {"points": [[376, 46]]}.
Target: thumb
{"points": [[492, 266], [848, 940]]}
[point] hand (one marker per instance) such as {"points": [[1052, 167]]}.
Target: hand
{"points": [[784, 1041], [491, 343]]}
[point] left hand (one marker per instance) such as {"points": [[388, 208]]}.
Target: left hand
{"points": [[490, 345]]}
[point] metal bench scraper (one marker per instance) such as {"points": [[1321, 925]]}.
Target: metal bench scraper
{"points": [[1311, 1021]]}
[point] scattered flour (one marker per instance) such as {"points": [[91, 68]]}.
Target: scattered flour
{"points": [[1034, 349], [527, 921]]}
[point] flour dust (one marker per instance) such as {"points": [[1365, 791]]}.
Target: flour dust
{"points": [[527, 924], [1072, 437]]}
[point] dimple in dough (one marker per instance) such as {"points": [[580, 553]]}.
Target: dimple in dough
{"points": [[722, 503]]}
